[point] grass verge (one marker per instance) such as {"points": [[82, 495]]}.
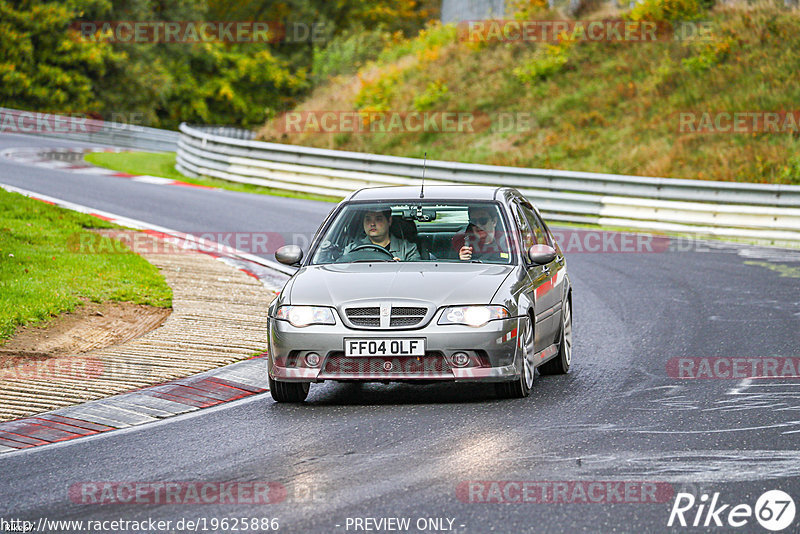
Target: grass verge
{"points": [[40, 276], [162, 164]]}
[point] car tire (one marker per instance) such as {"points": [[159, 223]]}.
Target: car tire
{"points": [[560, 364], [521, 387], [288, 391]]}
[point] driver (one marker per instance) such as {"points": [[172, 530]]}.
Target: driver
{"points": [[376, 226]]}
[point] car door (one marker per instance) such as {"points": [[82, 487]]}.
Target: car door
{"points": [[539, 287], [560, 275], [556, 268]]}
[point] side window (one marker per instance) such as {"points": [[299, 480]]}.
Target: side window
{"points": [[537, 226], [551, 239], [528, 237]]}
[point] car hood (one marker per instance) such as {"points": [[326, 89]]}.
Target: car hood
{"points": [[440, 284]]}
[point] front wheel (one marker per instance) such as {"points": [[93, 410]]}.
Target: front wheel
{"points": [[560, 364], [521, 387], [288, 391]]}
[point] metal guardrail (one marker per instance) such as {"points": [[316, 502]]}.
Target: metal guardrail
{"points": [[753, 211], [93, 132]]}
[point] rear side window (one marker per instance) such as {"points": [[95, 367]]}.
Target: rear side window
{"points": [[525, 231]]}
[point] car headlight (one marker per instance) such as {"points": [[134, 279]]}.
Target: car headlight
{"points": [[474, 316], [301, 316]]}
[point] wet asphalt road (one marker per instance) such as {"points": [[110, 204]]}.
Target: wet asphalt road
{"points": [[386, 451]]}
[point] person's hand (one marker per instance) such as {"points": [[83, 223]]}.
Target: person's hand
{"points": [[465, 254]]}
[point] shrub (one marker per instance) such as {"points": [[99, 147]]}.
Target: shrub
{"points": [[377, 94], [710, 54], [434, 35], [790, 173], [544, 62], [435, 93], [526, 9], [666, 10], [348, 52]]}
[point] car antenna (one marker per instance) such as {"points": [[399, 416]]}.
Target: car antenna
{"points": [[422, 187]]}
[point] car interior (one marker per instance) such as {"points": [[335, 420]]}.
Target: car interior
{"points": [[432, 230]]}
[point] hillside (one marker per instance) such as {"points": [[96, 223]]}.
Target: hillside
{"points": [[643, 108]]}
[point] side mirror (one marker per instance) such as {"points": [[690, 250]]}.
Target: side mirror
{"points": [[542, 254], [289, 254]]}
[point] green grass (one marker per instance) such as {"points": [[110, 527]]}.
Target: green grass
{"points": [[40, 276], [151, 163], [162, 164]]}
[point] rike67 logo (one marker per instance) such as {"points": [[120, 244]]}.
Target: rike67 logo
{"points": [[774, 510]]}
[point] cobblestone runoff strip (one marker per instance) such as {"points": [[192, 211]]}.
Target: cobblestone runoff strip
{"points": [[176, 397]]}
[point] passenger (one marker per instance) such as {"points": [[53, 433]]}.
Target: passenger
{"points": [[482, 239], [376, 226]]}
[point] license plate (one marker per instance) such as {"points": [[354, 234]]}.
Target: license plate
{"points": [[384, 347]]}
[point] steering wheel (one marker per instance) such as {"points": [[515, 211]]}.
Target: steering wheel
{"points": [[363, 249]]}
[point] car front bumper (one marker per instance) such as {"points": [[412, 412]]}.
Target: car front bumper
{"points": [[492, 351]]}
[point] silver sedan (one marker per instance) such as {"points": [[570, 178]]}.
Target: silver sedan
{"points": [[453, 283]]}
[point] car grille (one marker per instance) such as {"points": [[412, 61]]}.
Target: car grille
{"points": [[361, 312], [365, 316], [407, 316], [404, 312], [400, 317], [433, 364], [404, 321]]}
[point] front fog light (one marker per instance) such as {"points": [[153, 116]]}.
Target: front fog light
{"points": [[312, 359], [460, 359]]}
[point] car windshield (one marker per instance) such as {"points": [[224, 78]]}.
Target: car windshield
{"points": [[416, 231]]}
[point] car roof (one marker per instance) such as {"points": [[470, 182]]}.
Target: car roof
{"points": [[432, 192]]}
